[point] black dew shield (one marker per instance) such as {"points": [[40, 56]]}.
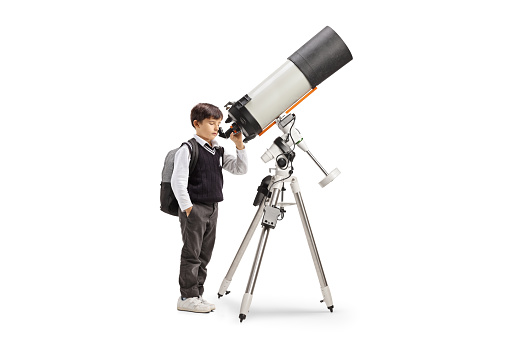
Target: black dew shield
{"points": [[321, 56]]}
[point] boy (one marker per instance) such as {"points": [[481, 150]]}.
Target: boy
{"points": [[198, 194]]}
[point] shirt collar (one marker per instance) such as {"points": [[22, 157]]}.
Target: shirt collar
{"points": [[203, 142]]}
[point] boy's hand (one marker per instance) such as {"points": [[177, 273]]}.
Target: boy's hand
{"points": [[237, 139], [189, 210]]}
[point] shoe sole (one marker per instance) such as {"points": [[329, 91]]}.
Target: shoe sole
{"points": [[212, 307], [194, 311]]}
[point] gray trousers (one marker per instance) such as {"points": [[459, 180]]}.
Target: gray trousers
{"points": [[198, 235]]}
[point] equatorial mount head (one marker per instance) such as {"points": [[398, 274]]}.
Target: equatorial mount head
{"points": [[283, 147]]}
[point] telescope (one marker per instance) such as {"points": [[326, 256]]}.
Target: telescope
{"points": [[299, 76], [253, 115]]}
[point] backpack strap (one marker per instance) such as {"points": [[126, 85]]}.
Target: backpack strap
{"points": [[193, 149], [193, 145], [221, 151]]}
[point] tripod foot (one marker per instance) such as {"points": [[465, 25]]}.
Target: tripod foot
{"points": [[223, 289], [244, 307], [329, 307], [220, 295]]}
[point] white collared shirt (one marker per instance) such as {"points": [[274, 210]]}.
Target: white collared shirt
{"points": [[179, 179]]}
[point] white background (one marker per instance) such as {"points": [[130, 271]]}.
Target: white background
{"points": [[413, 234]]}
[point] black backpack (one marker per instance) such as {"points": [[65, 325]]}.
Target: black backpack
{"points": [[169, 203]]}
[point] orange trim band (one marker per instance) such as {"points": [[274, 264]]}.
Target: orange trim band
{"points": [[301, 99], [288, 111], [266, 129]]}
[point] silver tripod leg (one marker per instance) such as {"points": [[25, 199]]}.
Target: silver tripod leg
{"points": [[312, 245], [248, 296], [240, 253]]}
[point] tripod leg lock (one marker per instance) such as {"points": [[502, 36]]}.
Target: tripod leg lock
{"points": [[327, 297]]}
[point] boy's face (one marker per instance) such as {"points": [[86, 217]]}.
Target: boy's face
{"points": [[207, 129]]}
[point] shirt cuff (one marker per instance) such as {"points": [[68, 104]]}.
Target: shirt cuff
{"points": [[185, 207]]}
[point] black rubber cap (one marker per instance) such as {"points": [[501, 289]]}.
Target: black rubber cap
{"points": [[321, 56]]}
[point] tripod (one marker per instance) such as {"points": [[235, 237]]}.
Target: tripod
{"points": [[271, 207]]}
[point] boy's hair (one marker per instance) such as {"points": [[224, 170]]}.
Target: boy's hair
{"points": [[203, 111]]}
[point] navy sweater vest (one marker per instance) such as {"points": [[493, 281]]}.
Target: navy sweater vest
{"points": [[206, 181]]}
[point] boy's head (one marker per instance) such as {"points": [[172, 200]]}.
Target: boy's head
{"points": [[206, 118]]}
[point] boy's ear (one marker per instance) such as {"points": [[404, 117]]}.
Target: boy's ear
{"points": [[195, 123]]}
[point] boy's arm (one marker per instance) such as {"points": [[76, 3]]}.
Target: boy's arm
{"points": [[180, 177], [236, 164]]}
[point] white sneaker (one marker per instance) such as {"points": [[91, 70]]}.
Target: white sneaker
{"points": [[192, 305], [205, 302]]}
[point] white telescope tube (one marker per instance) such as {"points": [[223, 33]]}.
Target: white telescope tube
{"points": [[305, 69], [276, 93]]}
